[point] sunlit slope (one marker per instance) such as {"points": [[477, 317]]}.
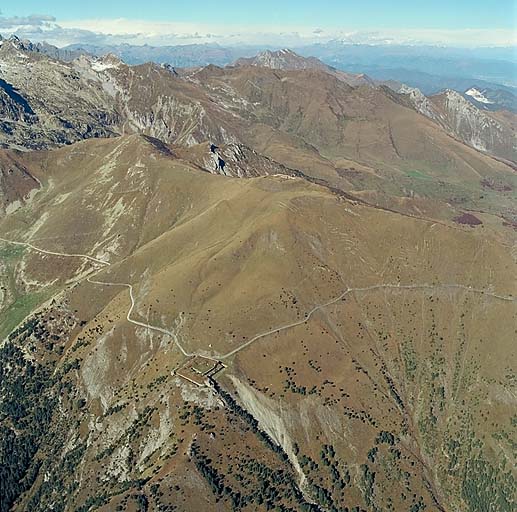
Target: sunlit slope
{"points": [[369, 141], [384, 336], [227, 247]]}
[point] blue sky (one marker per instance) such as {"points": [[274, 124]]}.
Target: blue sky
{"points": [[365, 14], [432, 21]]}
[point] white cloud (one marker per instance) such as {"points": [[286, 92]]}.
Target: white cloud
{"points": [[35, 20], [463, 37], [116, 31]]}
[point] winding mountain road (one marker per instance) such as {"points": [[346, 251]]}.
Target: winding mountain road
{"points": [[259, 336], [142, 324], [365, 289], [52, 253]]}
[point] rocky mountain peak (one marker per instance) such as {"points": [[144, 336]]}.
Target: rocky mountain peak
{"points": [[456, 101], [19, 44], [90, 63], [282, 59], [420, 102]]}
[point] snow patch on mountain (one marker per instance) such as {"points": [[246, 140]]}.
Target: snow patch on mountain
{"points": [[102, 66], [478, 96]]}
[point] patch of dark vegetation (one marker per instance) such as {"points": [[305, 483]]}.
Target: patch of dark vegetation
{"points": [[467, 219], [497, 186], [348, 172], [35, 419], [159, 145], [385, 437], [368, 479], [26, 409], [250, 420], [487, 487], [275, 487]]}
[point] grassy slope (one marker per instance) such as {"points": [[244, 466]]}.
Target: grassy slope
{"points": [[233, 258]]}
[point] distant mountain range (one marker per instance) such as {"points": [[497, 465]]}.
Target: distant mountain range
{"points": [[182, 56], [431, 69], [443, 64], [36, 99]]}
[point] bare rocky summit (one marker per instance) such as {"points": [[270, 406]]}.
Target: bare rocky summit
{"points": [[288, 60]]}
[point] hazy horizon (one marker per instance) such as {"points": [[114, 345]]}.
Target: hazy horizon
{"points": [[292, 24]]}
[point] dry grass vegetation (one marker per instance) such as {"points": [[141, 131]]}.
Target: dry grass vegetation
{"points": [[397, 395]]}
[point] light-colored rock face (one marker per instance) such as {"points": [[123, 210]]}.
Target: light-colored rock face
{"points": [[46, 103], [272, 419], [233, 159], [421, 102], [477, 128], [469, 121]]}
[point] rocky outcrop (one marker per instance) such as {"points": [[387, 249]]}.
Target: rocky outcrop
{"points": [[233, 159], [288, 60], [45, 103], [478, 128], [421, 103]]}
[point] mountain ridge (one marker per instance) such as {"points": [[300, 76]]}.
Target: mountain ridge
{"points": [[100, 111]]}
